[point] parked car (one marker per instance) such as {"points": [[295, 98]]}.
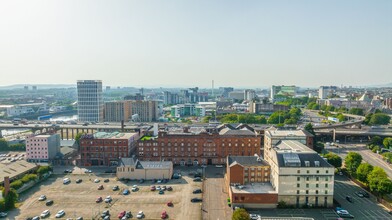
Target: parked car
{"points": [[97, 181], [254, 216], [197, 179], [106, 180], [161, 192], [152, 188], [128, 214], [196, 191], [35, 218], [121, 214], [115, 188], [45, 214], [126, 192], [66, 181], [49, 203], [365, 194], [346, 215], [42, 198], [3, 214], [140, 215], [78, 181], [105, 213], [170, 204], [100, 187], [98, 200], [60, 214], [108, 199], [163, 214], [169, 188], [196, 200]]}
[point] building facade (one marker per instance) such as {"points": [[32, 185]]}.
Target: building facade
{"points": [[147, 111], [105, 149], [283, 91], [42, 148], [116, 111], [90, 101], [130, 168], [194, 146]]}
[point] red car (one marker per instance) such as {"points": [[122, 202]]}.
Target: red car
{"points": [[163, 215], [170, 204], [121, 214], [152, 188], [100, 187], [99, 199]]}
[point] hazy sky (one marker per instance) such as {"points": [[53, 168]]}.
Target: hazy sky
{"points": [[189, 43]]}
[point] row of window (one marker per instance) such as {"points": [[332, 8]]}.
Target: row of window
{"points": [[308, 171], [30, 149], [110, 148], [307, 178], [36, 140], [195, 144], [316, 191], [317, 185]]}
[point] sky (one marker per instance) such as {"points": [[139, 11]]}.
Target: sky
{"points": [[180, 43]]}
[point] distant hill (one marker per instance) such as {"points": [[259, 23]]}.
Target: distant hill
{"points": [[39, 86]]}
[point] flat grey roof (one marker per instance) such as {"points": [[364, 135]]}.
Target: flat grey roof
{"points": [[13, 169], [247, 160], [255, 188]]}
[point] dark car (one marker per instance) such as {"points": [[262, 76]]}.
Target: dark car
{"points": [[196, 200], [100, 187], [346, 215], [350, 199], [105, 213], [197, 175], [197, 179], [128, 214], [67, 171], [169, 188], [106, 180], [196, 191], [49, 202], [365, 194], [78, 180], [115, 188]]}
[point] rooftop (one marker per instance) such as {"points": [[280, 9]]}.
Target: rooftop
{"points": [[287, 133], [113, 135], [301, 160], [242, 132], [15, 168], [145, 164], [247, 161], [255, 188], [292, 146]]}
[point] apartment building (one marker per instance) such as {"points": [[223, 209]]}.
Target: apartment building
{"points": [[198, 145], [147, 111], [105, 149], [116, 111], [42, 148], [247, 180]]}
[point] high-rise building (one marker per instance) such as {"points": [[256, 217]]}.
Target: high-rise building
{"points": [[90, 101], [283, 91], [325, 91], [249, 94], [116, 111], [42, 148], [147, 111]]}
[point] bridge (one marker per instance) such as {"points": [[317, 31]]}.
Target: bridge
{"points": [[69, 131]]}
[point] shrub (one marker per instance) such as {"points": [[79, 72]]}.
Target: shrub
{"points": [[17, 184]]}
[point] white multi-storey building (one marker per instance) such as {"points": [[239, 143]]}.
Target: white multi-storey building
{"points": [[90, 101]]}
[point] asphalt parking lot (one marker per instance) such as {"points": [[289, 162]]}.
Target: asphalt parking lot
{"points": [[361, 208], [79, 199]]}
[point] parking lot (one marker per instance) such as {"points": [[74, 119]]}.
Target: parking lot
{"points": [[361, 208], [79, 200]]}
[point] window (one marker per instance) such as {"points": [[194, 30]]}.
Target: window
{"points": [[317, 185], [297, 191], [307, 185], [316, 191], [317, 178], [307, 178], [307, 163], [326, 185], [307, 192], [298, 171], [326, 171], [307, 171], [298, 185], [326, 191], [326, 178], [318, 171]]}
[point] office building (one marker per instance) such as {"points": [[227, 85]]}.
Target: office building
{"points": [[325, 91], [249, 94], [104, 149], [146, 111], [282, 91], [90, 101], [42, 148], [116, 111]]}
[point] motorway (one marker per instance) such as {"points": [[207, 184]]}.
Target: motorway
{"points": [[367, 156]]}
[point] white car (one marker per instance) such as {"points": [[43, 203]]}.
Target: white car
{"points": [[342, 212], [219, 166], [97, 181], [66, 181], [108, 199], [45, 214], [254, 216], [60, 214], [42, 198], [140, 215]]}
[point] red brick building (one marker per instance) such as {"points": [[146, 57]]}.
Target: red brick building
{"points": [[105, 149], [193, 146], [247, 180]]}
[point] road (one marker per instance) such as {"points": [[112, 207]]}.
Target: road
{"points": [[367, 156]]}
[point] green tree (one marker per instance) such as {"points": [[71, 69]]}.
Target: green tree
{"points": [[3, 145], [309, 128], [376, 140], [363, 171], [43, 169], [387, 156], [384, 186], [240, 214], [334, 159], [379, 119], [261, 119], [387, 142], [352, 161], [356, 111], [367, 118], [77, 137], [10, 199], [206, 119], [374, 178]]}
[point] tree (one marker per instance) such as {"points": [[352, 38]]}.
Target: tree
{"points": [[309, 128], [363, 171], [374, 178], [384, 186], [77, 137], [379, 119], [43, 169], [3, 145], [387, 142], [240, 214], [352, 161], [387, 156], [356, 111], [376, 140], [333, 159], [10, 199]]}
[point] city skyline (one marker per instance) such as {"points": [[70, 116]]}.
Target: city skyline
{"points": [[181, 44]]}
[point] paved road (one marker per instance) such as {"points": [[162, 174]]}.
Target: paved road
{"points": [[215, 196], [361, 208], [367, 155]]}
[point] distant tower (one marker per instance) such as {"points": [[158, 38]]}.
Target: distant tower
{"points": [[90, 100]]}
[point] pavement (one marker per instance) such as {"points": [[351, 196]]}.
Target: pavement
{"points": [[367, 156]]}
